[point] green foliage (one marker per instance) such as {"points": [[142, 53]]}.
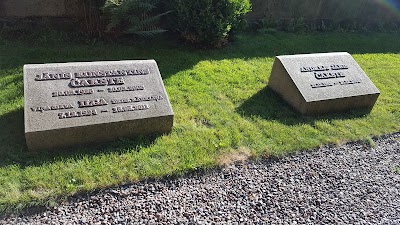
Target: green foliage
{"points": [[300, 25], [208, 22], [397, 170], [297, 25], [133, 17], [368, 141]]}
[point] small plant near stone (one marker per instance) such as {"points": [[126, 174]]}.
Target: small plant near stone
{"points": [[137, 17], [397, 170], [368, 141]]}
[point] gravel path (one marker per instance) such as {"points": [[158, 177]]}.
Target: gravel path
{"points": [[349, 184]]}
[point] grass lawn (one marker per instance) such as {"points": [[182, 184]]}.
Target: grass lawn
{"points": [[221, 103]]}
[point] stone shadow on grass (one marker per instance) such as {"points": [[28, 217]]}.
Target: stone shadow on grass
{"points": [[268, 105], [13, 149]]}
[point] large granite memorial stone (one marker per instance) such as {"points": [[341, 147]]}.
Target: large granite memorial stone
{"points": [[322, 83], [89, 102]]}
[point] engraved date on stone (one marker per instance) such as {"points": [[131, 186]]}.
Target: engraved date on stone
{"points": [[347, 82], [72, 92], [125, 88], [330, 84], [92, 103], [50, 108], [321, 85], [75, 114], [130, 108]]}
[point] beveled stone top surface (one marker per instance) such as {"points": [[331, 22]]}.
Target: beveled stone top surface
{"points": [[325, 76], [62, 95]]}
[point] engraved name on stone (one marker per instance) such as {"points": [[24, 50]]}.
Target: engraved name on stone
{"points": [[322, 83], [112, 73], [53, 76], [92, 79], [53, 107], [137, 99], [96, 82], [90, 74], [328, 72], [328, 75], [87, 101], [306, 69], [92, 103]]}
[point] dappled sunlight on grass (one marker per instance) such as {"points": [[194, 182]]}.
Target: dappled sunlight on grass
{"points": [[222, 105]]}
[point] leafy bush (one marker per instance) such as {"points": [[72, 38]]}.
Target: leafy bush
{"points": [[301, 25], [208, 22], [137, 17]]}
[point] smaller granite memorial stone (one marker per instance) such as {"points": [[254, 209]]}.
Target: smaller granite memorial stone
{"points": [[322, 83], [91, 102]]}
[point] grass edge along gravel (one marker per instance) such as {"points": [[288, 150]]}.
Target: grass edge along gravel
{"points": [[222, 109]]}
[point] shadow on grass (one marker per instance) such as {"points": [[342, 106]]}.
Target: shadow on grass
{"points": [[173, 56], [268, 105], [13, 149]]}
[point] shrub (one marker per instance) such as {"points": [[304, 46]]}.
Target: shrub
{"points": [[137, 17], [208, 22]]}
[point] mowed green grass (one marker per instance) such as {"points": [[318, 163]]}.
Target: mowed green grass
{"points": [[221, 105]]}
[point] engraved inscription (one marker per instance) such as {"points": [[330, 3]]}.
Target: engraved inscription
{"points": [[96, 82], [127, 88], [91, 74], [330, 84], [347, 82], [74, 114], [72, 92], [306, 69], [328, 72], [53, 76], [137, 99], [50, 108], [321, 85], [129, 108], [339, 67], [92, 103], [328, 75], [111, 73], [79, 82]]}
